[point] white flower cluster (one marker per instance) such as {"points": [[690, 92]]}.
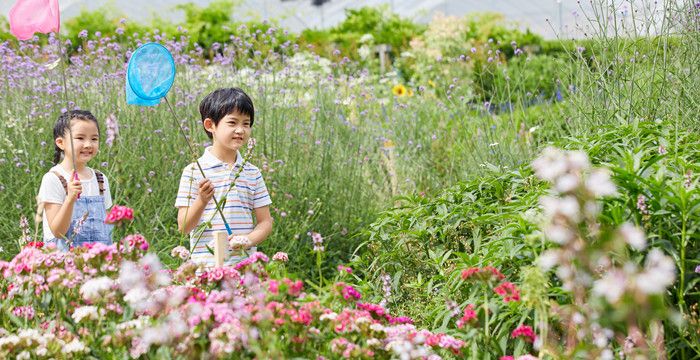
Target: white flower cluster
{"points": [[93, 289], [139, 281], [582, 254], [658, 274], [87, 312], [180, 252], [239, 242], [406, 350], [576, 188], [29, 343], [569, 170], [164, 333]]}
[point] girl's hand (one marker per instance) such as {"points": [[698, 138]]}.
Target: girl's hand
{"points": [[74, 189], [206, 191]]}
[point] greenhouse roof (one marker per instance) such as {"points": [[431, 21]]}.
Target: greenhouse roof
{"points": [[545, 17]]}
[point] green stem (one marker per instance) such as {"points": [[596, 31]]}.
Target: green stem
{"points": [[486, 313], [318, 267], [681, 285]]}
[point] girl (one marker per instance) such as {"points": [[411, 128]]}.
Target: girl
{"points": [[75, 207]]}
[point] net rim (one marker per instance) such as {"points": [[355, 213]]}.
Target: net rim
{"points": [[129, 72]]}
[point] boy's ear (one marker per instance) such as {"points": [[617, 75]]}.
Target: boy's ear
{"points": [[209, 125]]}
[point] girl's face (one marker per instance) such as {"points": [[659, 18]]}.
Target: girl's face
{"points": [[86, 141]]}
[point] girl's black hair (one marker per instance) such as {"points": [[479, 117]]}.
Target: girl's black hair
{"points": [[62, 125], [225, 101]]}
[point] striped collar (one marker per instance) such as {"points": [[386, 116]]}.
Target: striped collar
{"points": [[211, 160]]}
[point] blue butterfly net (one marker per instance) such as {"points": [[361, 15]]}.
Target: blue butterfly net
{"points": [[150, 75]]}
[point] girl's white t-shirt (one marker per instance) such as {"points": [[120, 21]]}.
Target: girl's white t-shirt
{"points": [[52, 191]]}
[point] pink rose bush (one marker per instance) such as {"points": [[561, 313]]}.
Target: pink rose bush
{"points": [[119, 301]]}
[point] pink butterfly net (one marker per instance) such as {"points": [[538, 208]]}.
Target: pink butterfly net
{"points": [[34, 16]]}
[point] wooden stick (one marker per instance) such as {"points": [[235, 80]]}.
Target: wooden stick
{"points": [[220, 248]]}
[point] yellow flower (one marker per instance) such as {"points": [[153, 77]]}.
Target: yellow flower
{"points": [[431, 83], [399, 90]]}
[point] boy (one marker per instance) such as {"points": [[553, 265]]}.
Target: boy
{"points": [[227, 117]]}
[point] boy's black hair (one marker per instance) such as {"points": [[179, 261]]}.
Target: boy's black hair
{"points": [[63, 124], [225, 101]]}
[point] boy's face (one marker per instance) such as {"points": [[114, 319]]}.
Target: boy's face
{"points": [[232, 132]]}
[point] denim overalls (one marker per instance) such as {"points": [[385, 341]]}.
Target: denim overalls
{"points": [[91, 212]]}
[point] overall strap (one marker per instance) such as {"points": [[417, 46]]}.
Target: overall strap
{"points": [[100, 182], [63, 180]]}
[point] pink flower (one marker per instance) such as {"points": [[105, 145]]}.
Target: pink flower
{"points": [[508, 291], [280, 256], [273, 286], [294, 287], [372, 308], [487, 273], [119, 213], [349, 292], [197, 295], [343, 268], [469, 315], [381, 313], [526, 332], [36, 244], [134, 241], [257, 256], [400, 320], [317, 240], [216, 275], [507, 357], [180, 252], [303, 316], [466, 274], [26, 312], [442, 340]]}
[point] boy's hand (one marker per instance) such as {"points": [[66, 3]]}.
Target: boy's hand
{"points": [[206, 191], [74, 189]]}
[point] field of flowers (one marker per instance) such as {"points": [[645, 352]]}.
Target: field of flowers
{"points": [[490, 195]]}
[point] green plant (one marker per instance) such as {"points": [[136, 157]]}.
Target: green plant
{"points": [[383, 26], [478, 223]]}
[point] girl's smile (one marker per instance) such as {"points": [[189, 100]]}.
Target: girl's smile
{"points": [[86, 142]]}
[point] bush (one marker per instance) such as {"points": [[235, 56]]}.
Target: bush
{"points": [[523, 80], [208, 29], [379, 23], [483, 222], [5, 30], [455, 47]]}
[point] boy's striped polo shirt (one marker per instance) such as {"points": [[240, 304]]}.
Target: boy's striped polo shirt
{"points": [[249, 193]]}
